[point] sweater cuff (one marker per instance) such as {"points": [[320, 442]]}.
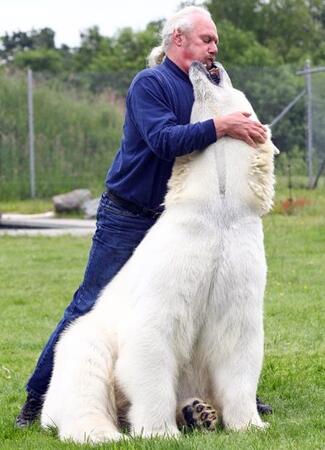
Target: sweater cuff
{"points": [[210, 131]]}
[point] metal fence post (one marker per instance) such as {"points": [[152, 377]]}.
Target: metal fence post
{"points": [[309, 123], [307, 72], [31, 134]]}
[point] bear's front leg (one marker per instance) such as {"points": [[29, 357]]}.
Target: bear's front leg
{"points": [[146, 371], [237, 306]]}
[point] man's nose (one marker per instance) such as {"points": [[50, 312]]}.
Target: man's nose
{"points": [[213, 48]]}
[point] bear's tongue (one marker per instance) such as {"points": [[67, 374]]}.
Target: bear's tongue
{"points": [[214, 71]]}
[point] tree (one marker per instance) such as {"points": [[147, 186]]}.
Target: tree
{"points": [[238, 47], [92, 44], [127, 50], [292, 29], [21, 41], [42, 60], [243, 14], [297, 29], [43, 39], [11, 44], [271, 89]]}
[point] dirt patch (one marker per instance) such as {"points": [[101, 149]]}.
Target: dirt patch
{"points": [[291, 205]]}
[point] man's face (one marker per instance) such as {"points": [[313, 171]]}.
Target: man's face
{"points": [[201, 43]]}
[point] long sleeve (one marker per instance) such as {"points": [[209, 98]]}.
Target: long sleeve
{"points": [[156, 130], [158, 125]]}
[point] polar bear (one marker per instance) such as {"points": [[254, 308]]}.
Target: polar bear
{"points": [[183, 318]]}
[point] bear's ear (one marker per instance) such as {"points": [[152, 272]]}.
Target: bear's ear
{"points": [[275, 149]]}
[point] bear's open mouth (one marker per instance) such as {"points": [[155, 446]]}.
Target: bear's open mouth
{"points": [[212, 71], [214, 74]]}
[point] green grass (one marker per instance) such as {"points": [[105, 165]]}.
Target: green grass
{"points": [[39, 275], [26, 206], [35, 206]]}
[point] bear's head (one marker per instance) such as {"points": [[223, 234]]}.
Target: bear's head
{"points": [[205, 80], [212, 88]]}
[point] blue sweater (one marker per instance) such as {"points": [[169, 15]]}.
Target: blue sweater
{"points": [[156, 130]]}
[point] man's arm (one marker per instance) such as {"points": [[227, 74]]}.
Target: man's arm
{"points": [[157, 124], [159, 127]]}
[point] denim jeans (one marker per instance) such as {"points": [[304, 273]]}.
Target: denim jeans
{"points": [[118, 233]]}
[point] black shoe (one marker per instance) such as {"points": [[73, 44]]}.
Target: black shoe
{"points": [[29, 412], [262, 407]]}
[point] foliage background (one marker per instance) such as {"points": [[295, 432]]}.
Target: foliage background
{"points": [[79, 92]]}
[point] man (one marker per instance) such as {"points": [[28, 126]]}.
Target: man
{"points": [[156, 130]]}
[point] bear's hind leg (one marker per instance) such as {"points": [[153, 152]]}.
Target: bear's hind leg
{"points": [[146, 371], [80, 401]]}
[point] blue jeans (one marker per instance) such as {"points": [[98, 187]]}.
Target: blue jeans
{"points": [[117, 234]]}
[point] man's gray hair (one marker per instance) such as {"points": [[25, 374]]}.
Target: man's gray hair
{"points": [[183, 21]]}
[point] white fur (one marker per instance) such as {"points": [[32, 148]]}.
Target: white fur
{"points": [[183, 317]]}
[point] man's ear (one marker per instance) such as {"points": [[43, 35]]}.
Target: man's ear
{"points": [[178, 37]]}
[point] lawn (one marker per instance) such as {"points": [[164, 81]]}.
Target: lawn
{"points": [[38, 276]]}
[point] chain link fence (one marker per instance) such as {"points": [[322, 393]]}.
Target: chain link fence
{"points": [[76, 133], [78, 123]]}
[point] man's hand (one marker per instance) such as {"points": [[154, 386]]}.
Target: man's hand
{"points": [[238, 125]]}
